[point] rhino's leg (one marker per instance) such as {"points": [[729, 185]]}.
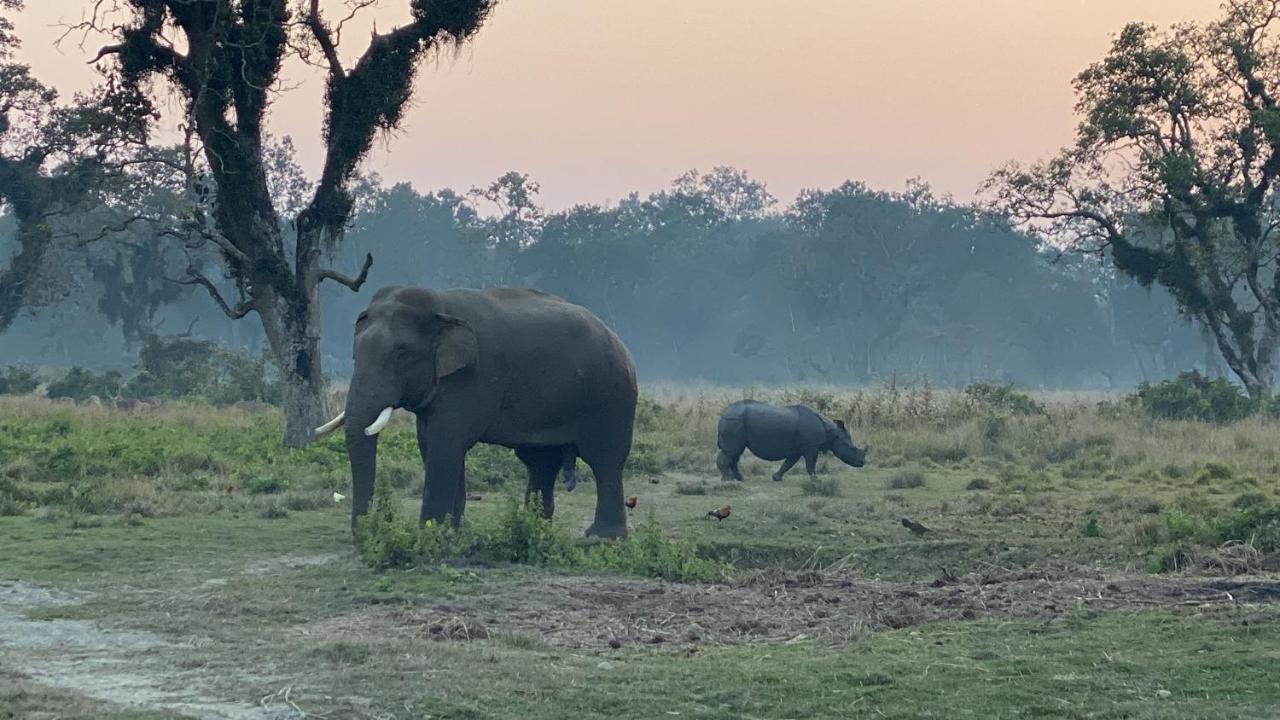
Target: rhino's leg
{"points": [[786, 465], [811, 463], [728, 467]]}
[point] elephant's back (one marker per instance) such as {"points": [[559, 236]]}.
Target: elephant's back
{"points": [[537, 332]]}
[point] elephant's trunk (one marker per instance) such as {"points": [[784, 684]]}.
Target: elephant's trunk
{"points": [[366, 415]]}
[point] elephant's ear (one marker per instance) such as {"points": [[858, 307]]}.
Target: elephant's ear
{"points": [[456, 347]]}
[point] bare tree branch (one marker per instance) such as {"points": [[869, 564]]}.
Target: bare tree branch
{"points": [[195, 277], [354, 284]]}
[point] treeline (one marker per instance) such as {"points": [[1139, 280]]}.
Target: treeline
{"points": [[708, 280]]}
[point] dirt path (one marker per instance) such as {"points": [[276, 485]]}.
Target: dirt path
{"points": [[602, 613], [128, 668]]}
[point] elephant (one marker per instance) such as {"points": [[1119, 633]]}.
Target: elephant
{"points": [[514, 367], [781, 433]]}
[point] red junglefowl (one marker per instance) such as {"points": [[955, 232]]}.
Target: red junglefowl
{"points": [[720, 513], [631, 502]]}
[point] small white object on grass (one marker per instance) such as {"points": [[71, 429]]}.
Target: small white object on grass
{"points": [[337, 497]]}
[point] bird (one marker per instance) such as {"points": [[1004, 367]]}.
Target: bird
{"points": [[720, 513], [631, 502], [231, 489], [914, 527], [338, 497]]}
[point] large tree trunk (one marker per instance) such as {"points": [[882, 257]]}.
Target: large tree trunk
{"points": [[294, 336]]}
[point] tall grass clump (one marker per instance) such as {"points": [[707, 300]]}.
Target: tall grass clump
{"points": [[522, 536]]}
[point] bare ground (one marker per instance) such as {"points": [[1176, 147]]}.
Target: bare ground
{"points": [[125, 667], [597, 615], [777, 607]]}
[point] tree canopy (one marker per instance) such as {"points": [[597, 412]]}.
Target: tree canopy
{"points": [[1173, 175]]}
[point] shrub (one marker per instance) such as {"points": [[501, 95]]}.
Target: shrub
{"points": [[1257, 524], [15, 380], [9, 504], [649, 552], [385, 539], [1003, 397], [79, 384], [490, 466], [643, 459], [824, 486], [1091, 528], [266, 484], [905, 479], [524, 536], [1191, 396], [978, 484], [175, 367], [1217, 471], [1171, 559]]}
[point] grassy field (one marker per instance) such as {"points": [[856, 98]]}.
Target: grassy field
{"points": [[1082, 561]]}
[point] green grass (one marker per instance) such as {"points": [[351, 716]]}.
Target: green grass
{"points": [[262, 588]]}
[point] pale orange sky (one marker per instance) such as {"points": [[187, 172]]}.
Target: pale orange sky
{"points": [[596, 98]]}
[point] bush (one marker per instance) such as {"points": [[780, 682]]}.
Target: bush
{"points": [[978, 484], [387, 539], [524, 536], [80, 384], [825, 486], [9, 505], [1256, 524], [1191, 396], [16, 380], [384, 537], [905, 479], [649, 552], [1003, 397], [490, 466], [178, 367]]}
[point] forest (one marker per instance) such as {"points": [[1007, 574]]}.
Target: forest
{"points": [[711, 279]]}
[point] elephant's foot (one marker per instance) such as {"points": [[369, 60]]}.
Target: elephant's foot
{"points": [[607, 530]]}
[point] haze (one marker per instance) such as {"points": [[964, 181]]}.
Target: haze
{"points": [[597, 98]]}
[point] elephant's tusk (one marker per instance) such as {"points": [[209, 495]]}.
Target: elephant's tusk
{"points": [[384, 417], [332, 425]]}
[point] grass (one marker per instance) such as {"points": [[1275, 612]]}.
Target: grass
{"points": [[261, 587]]}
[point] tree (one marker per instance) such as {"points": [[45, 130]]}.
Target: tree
{"points": [[1173, 176], [52, 157], [224, 58]]}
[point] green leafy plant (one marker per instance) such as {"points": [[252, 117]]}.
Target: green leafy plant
{"points": [[1192, 396], [17, 380], [1003, 397]]}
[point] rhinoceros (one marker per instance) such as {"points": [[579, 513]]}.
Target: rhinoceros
{"points": [[781, 433]]}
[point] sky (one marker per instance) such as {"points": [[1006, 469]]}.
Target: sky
{"points": [[595, 99]]}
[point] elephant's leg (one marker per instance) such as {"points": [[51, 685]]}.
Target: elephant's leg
{"points": [[543, 464], [811, 463], [786, 466], [611, 517], [442, 494]]}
